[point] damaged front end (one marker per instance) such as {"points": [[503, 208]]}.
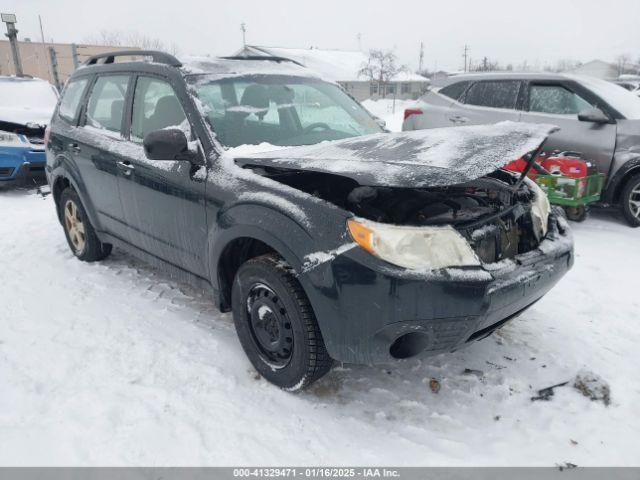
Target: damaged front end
{"points": [[496, 216]]}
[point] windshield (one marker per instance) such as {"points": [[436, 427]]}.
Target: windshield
{"points": [[280, 110], [622, 100], [27, 94]]}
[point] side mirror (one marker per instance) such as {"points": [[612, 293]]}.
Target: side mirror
{"points": [[381, 123], [168, 144], [594, 115]]}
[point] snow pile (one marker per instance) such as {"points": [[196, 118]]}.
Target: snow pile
{"points": [[389, 110], [440, 156]]}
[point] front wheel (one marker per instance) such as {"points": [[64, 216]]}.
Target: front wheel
{"points": [[630, 201], [276, 324]]}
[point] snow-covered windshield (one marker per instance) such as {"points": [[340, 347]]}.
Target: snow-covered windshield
{"points": [[26, 93], [622, 100], [280, 110]]}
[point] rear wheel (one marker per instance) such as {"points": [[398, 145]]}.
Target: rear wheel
{"points": [[81, 236], [276, 324], [630, 201]]}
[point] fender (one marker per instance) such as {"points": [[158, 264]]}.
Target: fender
{"points": [[616, 182], [261, 223], [65, 168]]}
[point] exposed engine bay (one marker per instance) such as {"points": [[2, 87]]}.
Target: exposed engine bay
{"points": [[34, 133], [493, 212]]}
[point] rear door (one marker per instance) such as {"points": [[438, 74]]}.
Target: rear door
{"points": [[487, 101], [163, 200], [558, 103], [435, 109], [95, 147]]}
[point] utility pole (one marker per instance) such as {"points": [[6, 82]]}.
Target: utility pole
{"points": [[12, 34], [74, 56], [421, 61], [465, 55], [243, 27], [44, 49], [54, 67], [359, 37]]}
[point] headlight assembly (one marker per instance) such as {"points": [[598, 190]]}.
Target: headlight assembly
{"points": [[9, 139], [540, 208], [415, 248]]}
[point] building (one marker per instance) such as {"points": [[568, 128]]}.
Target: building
{"points": [[342, 67], [36, 58]]}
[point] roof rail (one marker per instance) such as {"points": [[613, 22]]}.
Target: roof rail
{"points": [[156, 56], [263, 57]]}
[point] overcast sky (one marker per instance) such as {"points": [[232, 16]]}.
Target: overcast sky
{"points": [[541, 31]]}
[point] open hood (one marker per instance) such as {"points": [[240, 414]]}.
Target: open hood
{"points": [[22, 116], [422, 158]]}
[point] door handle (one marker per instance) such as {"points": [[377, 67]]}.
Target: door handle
{"points": [[125, 167], [458, 119], [74, 147]]}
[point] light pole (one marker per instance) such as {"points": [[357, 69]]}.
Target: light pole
{"points": [[12, 33]]}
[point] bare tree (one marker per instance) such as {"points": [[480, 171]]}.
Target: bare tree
{"points": [[380, 68], [485, 65], [623, 61], [120, 38]]}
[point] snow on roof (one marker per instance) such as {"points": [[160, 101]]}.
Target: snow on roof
{"points": [[336, 65], [234, 67]]}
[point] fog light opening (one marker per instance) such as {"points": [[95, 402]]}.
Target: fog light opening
{"points": [[409, 345]]}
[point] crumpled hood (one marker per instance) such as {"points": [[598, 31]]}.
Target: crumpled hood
{"points": [[421, 158], [22, 116]]}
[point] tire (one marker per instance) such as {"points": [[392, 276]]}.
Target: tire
{"points": [[630, 201], [577, 214], [80, 234], [276, 324]]}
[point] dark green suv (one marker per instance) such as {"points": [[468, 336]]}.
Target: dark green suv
{"points": [[328, 237]]}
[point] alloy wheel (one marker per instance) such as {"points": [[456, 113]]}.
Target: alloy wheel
{"points": [[634, 201], [74, 226]]}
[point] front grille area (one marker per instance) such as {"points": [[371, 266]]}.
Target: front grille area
{"points": [[6, 171]]}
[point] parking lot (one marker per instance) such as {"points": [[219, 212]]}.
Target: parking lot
{"points": [[114, 363]]}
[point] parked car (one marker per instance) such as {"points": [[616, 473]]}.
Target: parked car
{"points": [[333, 239], [26, 105], [596, 118]]}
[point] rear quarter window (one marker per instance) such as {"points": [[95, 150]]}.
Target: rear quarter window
{"points": [[71, 98], [455, 90]]}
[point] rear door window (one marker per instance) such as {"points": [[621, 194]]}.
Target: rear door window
{"points": [[155, 106], [494, 94], [555, 99], [106, 103], [455, 90], [71, 98]]}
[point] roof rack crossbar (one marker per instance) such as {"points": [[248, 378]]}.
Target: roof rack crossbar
{"points": [[263, 57], [156, 56]]}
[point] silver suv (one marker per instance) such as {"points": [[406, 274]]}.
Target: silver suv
{"points": [[596, 118]]}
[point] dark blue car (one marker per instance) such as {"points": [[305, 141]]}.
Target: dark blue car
{"points": [[26, 105]]}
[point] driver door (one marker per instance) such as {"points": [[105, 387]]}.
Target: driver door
{"points": [[163, 201]]}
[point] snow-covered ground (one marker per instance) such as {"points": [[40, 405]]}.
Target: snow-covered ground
{"points": [[389, 110], [114, 363]]}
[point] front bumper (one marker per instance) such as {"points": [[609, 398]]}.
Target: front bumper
{"points": [[19, 165], [366, 308]]}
